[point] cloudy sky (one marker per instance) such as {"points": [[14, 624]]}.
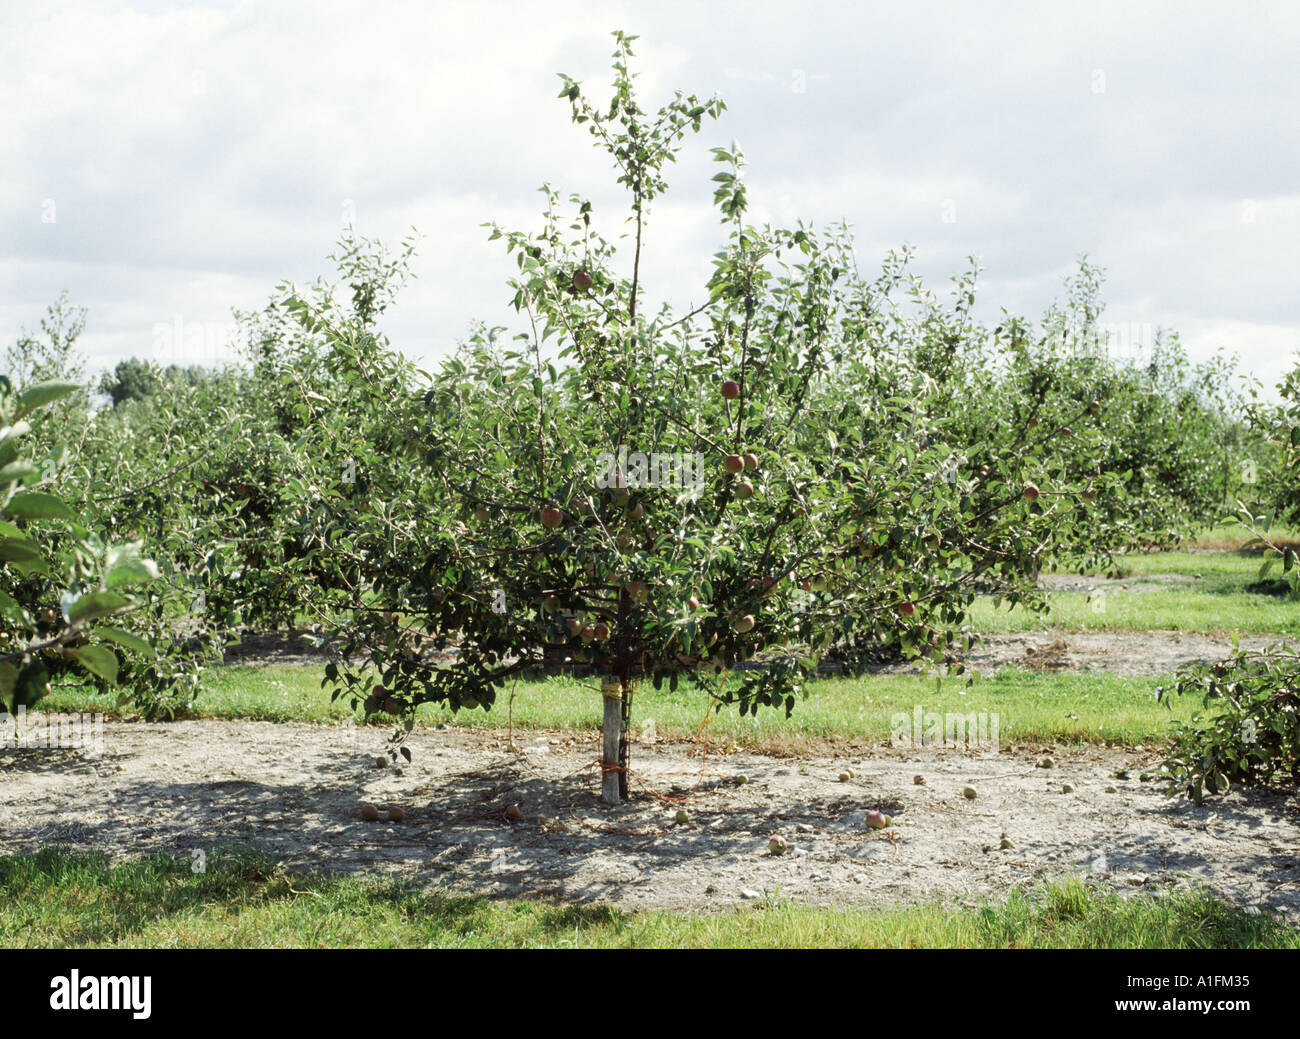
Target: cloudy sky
{"points": [[165, 162]]}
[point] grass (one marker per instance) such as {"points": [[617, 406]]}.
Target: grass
{"points": [[55, 898], [1230, 536], [1180, 591], [1030, 706]]}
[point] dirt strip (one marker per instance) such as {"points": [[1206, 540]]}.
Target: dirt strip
{"points": [[297, 790]]}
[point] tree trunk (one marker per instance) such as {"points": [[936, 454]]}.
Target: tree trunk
{"points": [[623, 755], [613, 750]]}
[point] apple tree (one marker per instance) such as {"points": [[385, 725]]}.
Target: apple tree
{"points": [[658, 494], [65, 592]]}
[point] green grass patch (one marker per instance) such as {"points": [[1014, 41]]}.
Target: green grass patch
{"points": [[1231, 536], [1178, 591], [243, 900], [1095, 707]]}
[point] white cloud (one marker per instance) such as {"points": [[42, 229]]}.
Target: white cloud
{"points": [[195, 156]]}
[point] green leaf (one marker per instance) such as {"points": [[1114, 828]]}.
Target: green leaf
{"points": [[127, 639], [38, 505], [133, 571], [17, 471], [8, 674], [29, 685], [98, 660], [96, 604], [22, 553], [41, 394]]}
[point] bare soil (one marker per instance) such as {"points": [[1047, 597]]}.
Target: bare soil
{"points": [[1132, 653], [297, 790]]}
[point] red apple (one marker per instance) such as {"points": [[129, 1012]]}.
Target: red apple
{"points": [[552, 517], [573, 625], [582, 280], [730, 390], [907, 608], [693, 603], [602, 631], [751, 460], [745, 623], [744, 490], [636, 512], [1030, 493], [734, 464], [877, 820], [588, 633], [1034, 421], [1094, 406]]}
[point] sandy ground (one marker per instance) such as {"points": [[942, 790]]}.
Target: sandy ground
{"points": [[297, 790], [1134, 653]]}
